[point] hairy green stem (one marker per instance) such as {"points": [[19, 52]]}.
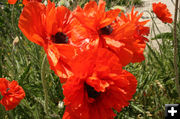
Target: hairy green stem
{"points": [[163, 44], [152, 17], [44, 84], [176, 50], [154, 32]]}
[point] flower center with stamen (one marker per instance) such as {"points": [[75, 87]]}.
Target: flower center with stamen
{"points": [[60, 38], [91, 91], [7, 89], [107, 30]]}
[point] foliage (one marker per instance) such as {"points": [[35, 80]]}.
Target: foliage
{"points": [[109, 3]]}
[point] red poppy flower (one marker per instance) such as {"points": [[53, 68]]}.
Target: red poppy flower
{"points": [[99, 86], [161, 11], [131, 32], [24, 1], [124, 37], [50, 27], [96, 20], [12, 93]]}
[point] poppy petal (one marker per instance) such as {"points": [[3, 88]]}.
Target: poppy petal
{"points": [[30, 22], [59, 55], [83, 19], [110, 17], [12, 1], [90, 8], [3, 85]]}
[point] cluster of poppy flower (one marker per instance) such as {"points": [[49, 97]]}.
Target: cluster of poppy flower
{"points": [[87, 49]]}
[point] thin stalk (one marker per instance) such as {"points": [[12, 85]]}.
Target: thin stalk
{"points": [[159, 32], [176, 50], [152, 17], [2, 109], [44, 84], [1, 59], [154, 32], [12, 19], [153, 29], [10, 115]]}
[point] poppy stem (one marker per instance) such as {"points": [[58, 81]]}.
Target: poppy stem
{"points": [[44, 84], [10, 115], [154, 25], [4, 112], [176, 50]]}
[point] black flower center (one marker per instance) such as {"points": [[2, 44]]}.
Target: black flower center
{"points": [[60, 38], [91, 91], [7, 89], [107, 30]]}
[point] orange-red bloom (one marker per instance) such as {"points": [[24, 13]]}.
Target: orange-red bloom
{"points": [[12, 93], [50, 27], [123, 35], [24, 1], [161, 11], [98, 86], [97, 22], [131, 32]]}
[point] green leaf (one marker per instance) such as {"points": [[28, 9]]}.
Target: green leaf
{"points": [[24, 74], [166, 35], [119, 7], [138, 108]]}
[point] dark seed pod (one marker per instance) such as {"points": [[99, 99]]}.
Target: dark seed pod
{"points": [[107, 30], [91, 91], [60, 38]]}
